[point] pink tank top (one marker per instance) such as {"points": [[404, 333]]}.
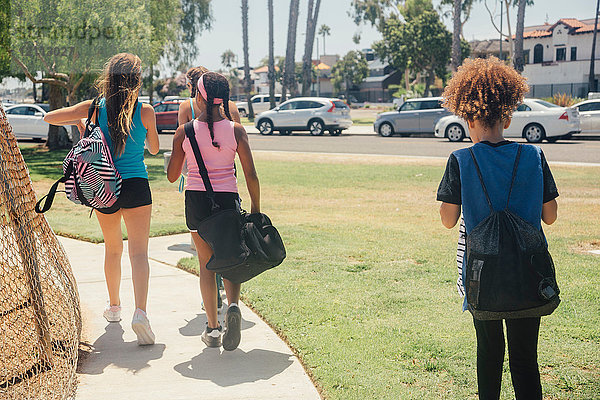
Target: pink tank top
{"points": [[219, 161]]}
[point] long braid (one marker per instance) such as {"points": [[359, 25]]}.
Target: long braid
{"points": [[209, 119]]}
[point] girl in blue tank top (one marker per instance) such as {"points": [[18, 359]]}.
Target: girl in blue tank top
{"points": [[127, 126]]}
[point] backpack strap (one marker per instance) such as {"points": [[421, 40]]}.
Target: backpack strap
{"points": [[210, 193], [91, 110], [487, 197], [514, 173], [52, 192]]}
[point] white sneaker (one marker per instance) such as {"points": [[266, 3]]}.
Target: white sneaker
{"points": [[112, 313], [141, 327]]}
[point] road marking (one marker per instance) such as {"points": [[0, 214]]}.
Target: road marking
{"points": [[404, 157]]}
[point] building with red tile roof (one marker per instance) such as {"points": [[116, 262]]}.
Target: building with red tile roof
{"points": [[557, 57]]}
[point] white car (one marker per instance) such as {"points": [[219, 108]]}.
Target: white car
{"points": [[260, 103], [314, 114], [589, 115], [27, 121], [534, 120]]}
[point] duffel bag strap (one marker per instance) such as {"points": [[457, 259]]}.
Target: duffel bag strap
{"points": [[191, 135]]}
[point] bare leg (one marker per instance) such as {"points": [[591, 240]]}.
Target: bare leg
{"points": [[232, 290], [113, 249], [137, 221], [208, 283]]}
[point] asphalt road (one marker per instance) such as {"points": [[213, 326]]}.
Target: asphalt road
{"points": [[362, 140]]}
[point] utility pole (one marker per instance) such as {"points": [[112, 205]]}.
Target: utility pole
{"points": [[592, 80], [501, 30]]}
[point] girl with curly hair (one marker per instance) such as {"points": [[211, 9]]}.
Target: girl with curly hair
{"points": [[485, 92]]}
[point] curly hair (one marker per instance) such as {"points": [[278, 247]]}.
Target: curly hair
{"points": [[486, 90]]}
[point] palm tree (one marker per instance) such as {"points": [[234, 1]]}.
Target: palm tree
{"points": [[228, 58], [247, 81], [518, 56], [289, 74], [271, 73], [324, 30], [456, 34], [311, 26]]}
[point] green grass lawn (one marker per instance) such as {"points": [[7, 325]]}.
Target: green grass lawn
{"points": [[367, 295]]}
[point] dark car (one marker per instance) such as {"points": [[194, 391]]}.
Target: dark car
{"points": [[166, 115]]}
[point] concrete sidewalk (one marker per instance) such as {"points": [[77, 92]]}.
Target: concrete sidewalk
{"points": [[179, 365]]}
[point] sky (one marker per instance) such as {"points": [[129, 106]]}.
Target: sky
{"points": [[227, 28], [226, 32]]}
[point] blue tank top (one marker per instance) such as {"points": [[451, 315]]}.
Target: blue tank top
{"points": [[131, 163]]}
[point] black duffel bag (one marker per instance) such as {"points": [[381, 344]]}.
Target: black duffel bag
{"points": [[244, 245]]}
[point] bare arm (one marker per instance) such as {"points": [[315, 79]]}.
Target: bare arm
{"points": [[235, 114], [177, 155], [245, 154], [69, 115], [182, 114], [449, 214], [149, 122], [550, 212]]}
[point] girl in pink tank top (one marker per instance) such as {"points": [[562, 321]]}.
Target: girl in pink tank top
{"points": [[219, 140]]}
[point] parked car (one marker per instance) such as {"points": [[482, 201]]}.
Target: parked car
{"points": [[27, 121], [534, 120], [414, 116], [589, 115], [260, 103], [166, 115], [314, 114]]}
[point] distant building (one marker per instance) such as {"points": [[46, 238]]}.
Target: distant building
{"points": [[557, 57], [486, 48]]}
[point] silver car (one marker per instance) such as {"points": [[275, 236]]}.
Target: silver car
{"points": [[313, 114], [27, 121], [414, 116], [589, 115]]}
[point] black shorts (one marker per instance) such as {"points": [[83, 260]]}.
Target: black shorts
{"points": [[135, 192], [198, 208]]}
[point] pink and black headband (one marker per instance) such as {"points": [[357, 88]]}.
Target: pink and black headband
{"points": [[202, 91]]}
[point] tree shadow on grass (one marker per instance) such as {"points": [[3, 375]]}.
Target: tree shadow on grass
{"points": [[111, 349], [44, 163], [230, 368]]}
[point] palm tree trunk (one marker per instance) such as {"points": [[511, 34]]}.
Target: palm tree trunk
{"points": [[289, 73], [456, 35], [592, 79], [518, 60], [311, 27], [247, 81], [271, 73]]}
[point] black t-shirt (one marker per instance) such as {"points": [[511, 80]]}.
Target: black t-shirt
{"points": [[449, 189]]}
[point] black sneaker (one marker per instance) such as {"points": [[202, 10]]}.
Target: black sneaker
{"points": [[212, 336], [233, 322]]}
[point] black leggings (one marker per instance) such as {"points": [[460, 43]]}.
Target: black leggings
{"points": [[522, 337]]}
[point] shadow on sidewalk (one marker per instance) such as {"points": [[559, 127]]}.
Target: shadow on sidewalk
{"points": [[195, 327], [183, 247], [111, 349], [229, 368]]}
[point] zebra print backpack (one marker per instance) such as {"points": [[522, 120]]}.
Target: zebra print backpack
{"points": [[89, 174]]}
